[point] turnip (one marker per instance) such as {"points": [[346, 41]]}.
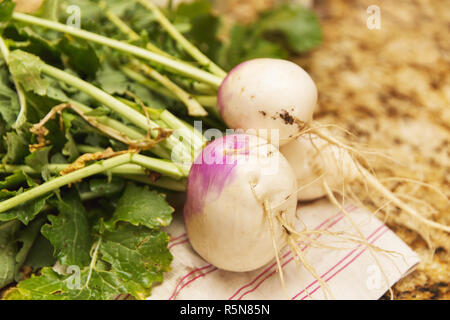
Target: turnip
{"points": [[263, 94], [237, 188]]}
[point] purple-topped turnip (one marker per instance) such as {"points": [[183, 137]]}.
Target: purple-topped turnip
{"points": [[238, 189]]}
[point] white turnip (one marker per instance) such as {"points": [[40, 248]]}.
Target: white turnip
{"points": [[264, 94]]}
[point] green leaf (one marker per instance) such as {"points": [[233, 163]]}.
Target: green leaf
{"points": [[193, 9], [26, 211], [138, 256], [17, 148], [298, 25], [70, 232], [105, 187], [26, 68], [26, 238], [70, 149], [38, 159], [112, 81], [9, 104], [203, 25], [146, 96], [6, 11], [142, 207], [8, 251], [278, 32], [49, 10], [40, 255], [102, 285], [26, 39], [80, 56], [13, 180], [37, 287]]}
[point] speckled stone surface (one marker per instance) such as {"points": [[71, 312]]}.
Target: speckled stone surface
{"points": [[391, 87]]}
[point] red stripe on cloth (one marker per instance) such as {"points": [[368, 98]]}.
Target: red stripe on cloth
{"points": [[176, 238], [350, 207], [190, 281], [187, 275], [339, 262], [342, 260], [177, 243], [288, 261]]}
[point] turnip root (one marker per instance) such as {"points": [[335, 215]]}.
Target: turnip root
{"points": [[237, 189], [264, 94], [322, 167]]}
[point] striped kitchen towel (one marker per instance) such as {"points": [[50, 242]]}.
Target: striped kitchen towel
{"points": [[351, 272]]}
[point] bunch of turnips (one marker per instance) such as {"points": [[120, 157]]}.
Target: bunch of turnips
{"points": [[232, 210]]}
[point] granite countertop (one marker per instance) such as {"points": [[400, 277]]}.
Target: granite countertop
{"points": [[391, 87]]}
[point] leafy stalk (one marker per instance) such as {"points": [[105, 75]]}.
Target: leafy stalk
{"points": [[205, 100], [177, 36], [164, 182], [193, 140], [195, 109], [193, 106], [132, 35], [128, 171], [173, 65], [164, 167], [117, 106], [120, 127]]}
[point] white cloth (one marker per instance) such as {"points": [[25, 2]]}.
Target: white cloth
{"points": [[350, 272]]}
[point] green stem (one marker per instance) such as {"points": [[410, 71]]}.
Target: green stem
{"points": [[131, 133], [125, 170], [195, 109], [207, 101], [63, 180], [177, 36], [88, 149], [196, 138], [152, 85], [199, 87], [184, 148], [123, 110], [204, 100], [165, 183], [162, 166], [171, 64], [117, 106]]}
